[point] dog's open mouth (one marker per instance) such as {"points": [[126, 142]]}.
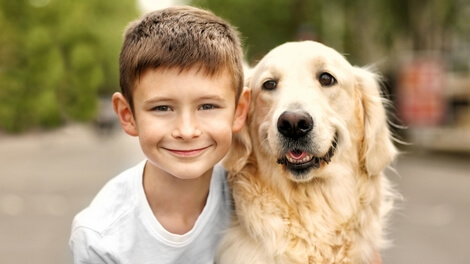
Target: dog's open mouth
{"points": [[300, 161]]}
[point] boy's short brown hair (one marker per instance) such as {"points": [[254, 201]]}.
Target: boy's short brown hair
{"points": [[180, 37]]}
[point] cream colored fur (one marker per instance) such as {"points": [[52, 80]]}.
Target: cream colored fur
{"points": [[333, 214]]}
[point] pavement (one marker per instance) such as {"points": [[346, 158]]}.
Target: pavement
{"points": [[48, 177], [432, 223], [45, 179]]}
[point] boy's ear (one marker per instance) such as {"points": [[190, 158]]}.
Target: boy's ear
{"points": [[242, 110], [124, 113]]}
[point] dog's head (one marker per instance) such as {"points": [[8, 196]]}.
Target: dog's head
{"points": [[310, 109]]}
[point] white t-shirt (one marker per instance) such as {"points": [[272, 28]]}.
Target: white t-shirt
{"points": [[119, 226]]}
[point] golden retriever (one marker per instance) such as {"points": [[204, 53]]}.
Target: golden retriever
{"points": [[306, 171]]}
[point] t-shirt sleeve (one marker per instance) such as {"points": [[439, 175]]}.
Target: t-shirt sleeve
{"points": [[87, 246]]}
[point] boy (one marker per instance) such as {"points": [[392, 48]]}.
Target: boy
{"points": [[181, 80]]}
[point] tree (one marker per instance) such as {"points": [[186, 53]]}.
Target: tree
{"points": [[56, 57], [365, 30]]}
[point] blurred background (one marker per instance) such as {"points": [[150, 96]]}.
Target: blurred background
{"points": [[60, 142]]}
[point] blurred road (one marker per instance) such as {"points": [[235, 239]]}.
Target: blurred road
{"points": [[432, 225], [46, 178]]}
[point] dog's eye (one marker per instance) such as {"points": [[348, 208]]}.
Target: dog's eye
{"points": [[326, 79], [270, 85]]}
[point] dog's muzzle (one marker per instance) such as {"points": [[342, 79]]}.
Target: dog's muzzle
{"points": [[295, 126]]}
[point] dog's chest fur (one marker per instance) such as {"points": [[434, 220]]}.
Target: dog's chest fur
{"points": [[316, 222]]}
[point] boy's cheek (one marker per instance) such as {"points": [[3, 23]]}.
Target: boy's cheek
{"points": [[219, 126]]}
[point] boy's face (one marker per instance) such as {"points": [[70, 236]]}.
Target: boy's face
{"points": [[184, 120]]}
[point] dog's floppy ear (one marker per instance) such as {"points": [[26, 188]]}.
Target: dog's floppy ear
{"points": [[241, 147], [378, 149]]}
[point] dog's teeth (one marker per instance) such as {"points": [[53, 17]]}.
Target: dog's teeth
{"points": [[307, 158], [295, 161]]}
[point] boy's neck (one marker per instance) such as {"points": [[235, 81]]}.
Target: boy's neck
{"points": [[176, 203]]}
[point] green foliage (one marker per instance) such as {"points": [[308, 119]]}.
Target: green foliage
{"points": [[265, 24], [56, 57], [365, 30]]}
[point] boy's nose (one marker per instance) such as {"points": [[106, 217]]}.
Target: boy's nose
{"points": [[186, 127]]}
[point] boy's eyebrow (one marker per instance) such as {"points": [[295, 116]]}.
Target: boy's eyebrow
{"points": [[162, 98], [157, 99], [212, 97]]}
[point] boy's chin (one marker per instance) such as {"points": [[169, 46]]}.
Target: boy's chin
{"points": [[182, 171]]}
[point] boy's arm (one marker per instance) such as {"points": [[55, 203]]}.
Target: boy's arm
{"points": [[87, 247]]}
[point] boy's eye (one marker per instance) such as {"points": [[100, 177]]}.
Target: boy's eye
{"points": [[161, 108], [207, 107]]}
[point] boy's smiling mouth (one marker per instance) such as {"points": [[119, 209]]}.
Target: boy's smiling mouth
{"points": [[188, 152]]}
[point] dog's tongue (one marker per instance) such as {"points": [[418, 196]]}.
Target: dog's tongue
{"points": [[297, 155]]}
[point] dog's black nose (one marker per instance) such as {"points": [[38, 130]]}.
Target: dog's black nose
{"points": [[294, 124]]}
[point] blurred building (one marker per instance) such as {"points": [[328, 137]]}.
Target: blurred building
{"points": [[434, 103]]}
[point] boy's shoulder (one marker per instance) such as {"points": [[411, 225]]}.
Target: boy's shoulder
{"points": [[119, 224], [115, 199]]}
